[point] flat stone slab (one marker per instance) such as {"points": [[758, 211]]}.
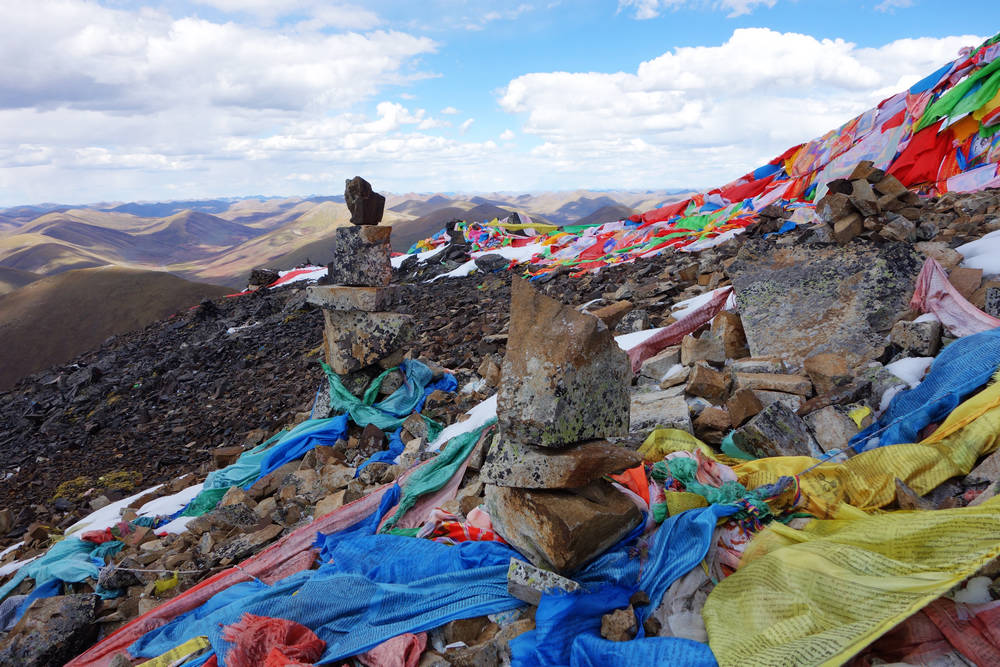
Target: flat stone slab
{"points": [[341, 297], [777, 431], [564, 379], [361, 257], [797, 301], [659, 409], [558, 529], [528, 583], [353, 339], [524, 466]]}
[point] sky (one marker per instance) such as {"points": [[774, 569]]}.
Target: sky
{"points": [[113, 100]]}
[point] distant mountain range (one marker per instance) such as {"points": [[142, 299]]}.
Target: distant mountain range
{"points": [[221, 240]]}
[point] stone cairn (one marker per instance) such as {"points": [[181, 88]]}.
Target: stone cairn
{"points": [[361, 335], [564, 390]]}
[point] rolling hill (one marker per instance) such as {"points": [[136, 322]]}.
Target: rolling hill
{"points": [[53, 319], [12, 279]]}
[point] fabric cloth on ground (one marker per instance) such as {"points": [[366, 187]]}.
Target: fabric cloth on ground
{"points": [[821, 594], [244, 471], [402, 651], [380, 586], [174, 655], [867, 481], [437, 472], [672, 334], [934, 293], [941, 628], [290, 554], [256, 639], [562, 620], [68, 560], [959, 369]]}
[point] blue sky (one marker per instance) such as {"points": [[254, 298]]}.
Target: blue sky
{"points": [[116, 100]]}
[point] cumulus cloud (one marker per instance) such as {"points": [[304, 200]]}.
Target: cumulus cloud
{"points": [[705, 114], [450, 111], [507, 135], [466, 124]]}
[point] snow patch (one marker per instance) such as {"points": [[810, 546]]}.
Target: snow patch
{"points": [[911, 369], [478, 415]]}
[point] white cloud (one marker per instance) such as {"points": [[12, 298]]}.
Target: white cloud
{"points": [[450, 111], [703, 115], [650, 9], [507, 135], [318, 14], [466, 124], [892, 5]]}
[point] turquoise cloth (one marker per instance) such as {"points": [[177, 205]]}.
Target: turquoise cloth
{"points": [[70, 560]]}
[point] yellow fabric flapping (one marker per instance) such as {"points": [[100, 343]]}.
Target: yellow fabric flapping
{"points": [[867, 481], [174, 655], [818, 596], [682, 501], [663, 441], [164, 585], [987, 108], [539, 227]]}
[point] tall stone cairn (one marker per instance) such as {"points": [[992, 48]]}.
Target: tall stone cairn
{"points": [[360, 330], [564, 390]]}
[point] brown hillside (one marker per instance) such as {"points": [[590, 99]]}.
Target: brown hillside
{"points": [[12, 279], [54, 319], [50, 258]]}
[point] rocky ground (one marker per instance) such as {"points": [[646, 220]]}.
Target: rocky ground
{"points": [[171, 402]]}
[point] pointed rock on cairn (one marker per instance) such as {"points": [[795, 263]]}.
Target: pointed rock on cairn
{"points": [[564, 388], [359, 329]]}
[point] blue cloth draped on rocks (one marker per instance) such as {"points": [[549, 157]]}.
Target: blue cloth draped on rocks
{"points": [[960, 369], [371, 588]]}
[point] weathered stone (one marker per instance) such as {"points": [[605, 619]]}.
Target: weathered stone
{"points": [[269, 483], [759, 365], [864, 198], [331, 502], [920, 338], [743, 405], [988, 470], [787, 384], [6, 521], [561, 530], [675, 376], [827, 371], [342, 297], [262, 277], [898, 228], [524, 466], [224, 456], [655, 368], [613, 313], [490, 371], [965, 280], [632, 321], [491, 262], [907, 498], [712, 424], [832, 428], [564, 379], [728, 328], [847, 227], [620, 625], [792, 401], [707, 349], [528, 583], [708, 383], [354, 339], [365, 205], [52, 632], [890, 185], [776, 431], [235, 495], [659, 409], [360, 257], [821, 298], [992, 301], [833, 207], [941, 253]]}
